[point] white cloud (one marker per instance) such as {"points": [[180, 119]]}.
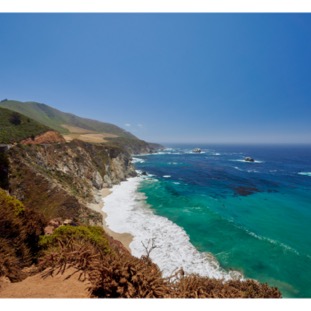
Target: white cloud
{"points": [[127, 124], [139, 125]]}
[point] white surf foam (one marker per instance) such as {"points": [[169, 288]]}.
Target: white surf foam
{"points": [[128, 212], [248, 171], [166, 176], [157, 153], [237, 168], [305, 173], [193, 152], [284, 246], [137, 160], [242, 160]]}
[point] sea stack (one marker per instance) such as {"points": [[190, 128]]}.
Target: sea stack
{"points": [[249, 159]]}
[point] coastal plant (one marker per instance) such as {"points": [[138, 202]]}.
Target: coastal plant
{"points": [[65, 235], [194, 286], [20, 228], [127, 277], [9, 262], [72, 253], [73, 246]]}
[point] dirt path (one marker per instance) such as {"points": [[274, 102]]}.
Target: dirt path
{"points": [[51, 287]]}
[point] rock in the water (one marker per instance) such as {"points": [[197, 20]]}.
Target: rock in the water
{"points": [[249, 159]]}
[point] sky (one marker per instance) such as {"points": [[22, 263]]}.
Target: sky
{"points": [[167, 78]]}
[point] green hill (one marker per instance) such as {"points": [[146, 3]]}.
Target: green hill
{"points": [[61, 121], [15, 127]]}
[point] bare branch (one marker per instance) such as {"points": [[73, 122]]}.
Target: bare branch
{"points": [[150, 247]]}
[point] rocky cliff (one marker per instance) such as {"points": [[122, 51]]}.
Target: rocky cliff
{"points": [[61, 179], [135, 146], [48, 137]]}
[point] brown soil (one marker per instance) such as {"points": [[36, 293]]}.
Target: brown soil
{"points": [[48, 137], [36, 286]]}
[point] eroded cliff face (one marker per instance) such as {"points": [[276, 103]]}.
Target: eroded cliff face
{"points": [[60, 180], [49, 137]]}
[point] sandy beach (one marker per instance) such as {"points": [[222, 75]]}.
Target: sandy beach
{"points": [[124, 238]]}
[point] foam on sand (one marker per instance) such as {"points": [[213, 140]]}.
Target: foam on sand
{"points": [[128, 212]]}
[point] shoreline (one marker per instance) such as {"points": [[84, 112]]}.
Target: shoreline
{"points": [[124, 238], [129, 212]]}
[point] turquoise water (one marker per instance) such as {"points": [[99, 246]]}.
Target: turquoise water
{"points": [[253, 217]]}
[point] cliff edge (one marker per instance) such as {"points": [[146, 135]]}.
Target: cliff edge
{"points": [[61, 179]]}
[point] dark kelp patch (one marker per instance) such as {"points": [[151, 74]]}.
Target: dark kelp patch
{"points": [[245, 191]]}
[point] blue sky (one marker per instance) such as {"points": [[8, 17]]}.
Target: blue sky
{"points": [[206, 77]]}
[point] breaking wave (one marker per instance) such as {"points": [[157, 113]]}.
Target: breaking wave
{"points": [[128, 212]]}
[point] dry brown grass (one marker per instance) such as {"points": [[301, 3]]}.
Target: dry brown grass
{"points": [[86, 135], [77, 130]]}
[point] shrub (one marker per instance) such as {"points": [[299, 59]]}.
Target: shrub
{"points": [[65, 235], [194, 286], [78, 247], [127, 277], [15, 118], [19, 233]]}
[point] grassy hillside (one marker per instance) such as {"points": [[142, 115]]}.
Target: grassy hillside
{"points": [[56, 119], [15, 127]]}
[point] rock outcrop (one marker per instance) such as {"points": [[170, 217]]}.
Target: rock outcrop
{"points": [[61, 179], [48, 137], [249, 159]]}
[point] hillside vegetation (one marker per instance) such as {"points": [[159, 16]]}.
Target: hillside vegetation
{"points": [[20, 228], [15, 127], [62, 121]]}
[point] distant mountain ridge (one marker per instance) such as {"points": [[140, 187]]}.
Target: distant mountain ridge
{"points": [[74, 127], [60, 121]]}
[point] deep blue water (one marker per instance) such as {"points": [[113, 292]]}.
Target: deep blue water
{"points": [[253, 217]]}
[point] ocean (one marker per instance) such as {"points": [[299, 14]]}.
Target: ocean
{"points": [[217, 215]]}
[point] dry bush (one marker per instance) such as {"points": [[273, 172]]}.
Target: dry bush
{"points": [[80, 255], [9, 262], [19, 233], [194, 286], [127, 277], [77, 247]]}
